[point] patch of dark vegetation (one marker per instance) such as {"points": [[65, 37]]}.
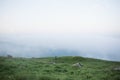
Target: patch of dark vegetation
{"points": [[34, 77], [69, 59]]}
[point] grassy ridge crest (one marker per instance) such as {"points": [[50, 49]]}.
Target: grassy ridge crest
{"points": [[57, 68]]}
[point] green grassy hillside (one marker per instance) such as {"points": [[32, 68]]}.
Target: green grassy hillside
{"points": [[60, 68]]}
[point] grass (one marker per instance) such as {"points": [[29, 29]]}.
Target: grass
{"points": [[43, 69]]}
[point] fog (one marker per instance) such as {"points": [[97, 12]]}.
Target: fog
{"points": [[101, 47], [42, 28]]}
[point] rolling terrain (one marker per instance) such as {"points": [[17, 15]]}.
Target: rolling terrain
{"points": [[58, 68]]}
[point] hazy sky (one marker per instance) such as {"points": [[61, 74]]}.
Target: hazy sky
{"points": [[91, 27], [60, 17]]}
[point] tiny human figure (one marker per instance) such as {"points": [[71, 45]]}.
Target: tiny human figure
{"points": [[55, 58]]}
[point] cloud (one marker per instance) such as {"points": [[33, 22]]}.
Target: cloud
{"points": [[90, 28], [38, 46]]}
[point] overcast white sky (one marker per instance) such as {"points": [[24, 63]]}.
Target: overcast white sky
{"points": [[91, 27], [60, 17]]}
